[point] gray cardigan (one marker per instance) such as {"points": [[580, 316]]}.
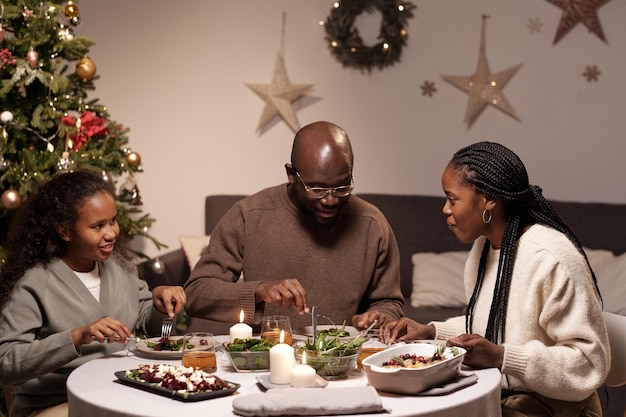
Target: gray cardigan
{"points": [[36, 350]]}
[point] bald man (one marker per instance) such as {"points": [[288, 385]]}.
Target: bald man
{"points": [[308, 242]]}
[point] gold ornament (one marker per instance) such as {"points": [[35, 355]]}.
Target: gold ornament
{"points": [[11, 199], [484, 88], [71, 10], [86, 69], [133, 159]]}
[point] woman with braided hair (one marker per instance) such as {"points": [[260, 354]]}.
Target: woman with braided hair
{"points": [[534, 308]]}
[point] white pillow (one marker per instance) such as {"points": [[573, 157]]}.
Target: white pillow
{"points": [[194, 247], [610, 272], [438, 279]]}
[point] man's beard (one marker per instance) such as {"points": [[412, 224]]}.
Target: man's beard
{"points": [[309, 213]]}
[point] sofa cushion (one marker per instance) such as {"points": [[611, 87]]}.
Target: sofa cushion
{"points": [[194, 247], [610, 273], [438, 279]]}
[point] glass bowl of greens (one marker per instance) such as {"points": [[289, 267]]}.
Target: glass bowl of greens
{"points": [[332, 356], [249, 355]]}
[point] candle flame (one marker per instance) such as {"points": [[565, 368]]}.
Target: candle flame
{"points": [[241, 317], [303, 358], [282, 336]]}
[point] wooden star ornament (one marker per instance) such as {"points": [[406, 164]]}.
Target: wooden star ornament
{"points": [[579, 11], [484, 88], [278, 96]]}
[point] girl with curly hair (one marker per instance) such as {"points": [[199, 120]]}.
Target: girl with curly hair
{"points": [[67, 294]]}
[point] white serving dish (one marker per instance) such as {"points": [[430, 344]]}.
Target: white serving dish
{"points": [[412, 381]]}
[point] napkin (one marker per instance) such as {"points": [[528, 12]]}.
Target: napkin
{"points": [[462, 380], [309, 402]]}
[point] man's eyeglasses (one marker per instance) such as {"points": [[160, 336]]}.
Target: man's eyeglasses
{"points": [[321, 192]]}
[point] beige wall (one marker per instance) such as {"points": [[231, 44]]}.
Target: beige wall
{"points": [[174, 73]]}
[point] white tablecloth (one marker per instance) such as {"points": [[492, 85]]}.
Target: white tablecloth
{"points": [[93, 391]]}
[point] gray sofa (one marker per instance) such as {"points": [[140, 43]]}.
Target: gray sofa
{"points": [[420, 226]]}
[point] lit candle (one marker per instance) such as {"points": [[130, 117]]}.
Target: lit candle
{"points": [[240, 330], [303, 375], [282, 360]]}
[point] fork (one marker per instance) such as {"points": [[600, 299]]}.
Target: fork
{"points": [[166, 326]]}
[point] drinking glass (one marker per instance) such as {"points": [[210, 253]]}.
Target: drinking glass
{"points": [[272, 326], [199, 351]]}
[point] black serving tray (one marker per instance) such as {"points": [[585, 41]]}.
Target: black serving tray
{"points": [[187, 397]]}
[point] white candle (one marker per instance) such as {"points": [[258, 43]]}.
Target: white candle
{"points": [[282, 360], [303, 375], [240, 330]]}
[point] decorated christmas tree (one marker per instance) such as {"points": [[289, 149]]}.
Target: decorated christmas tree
{"points": [[48, 124]]}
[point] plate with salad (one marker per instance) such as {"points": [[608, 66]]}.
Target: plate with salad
{"points": [[163, 348]]}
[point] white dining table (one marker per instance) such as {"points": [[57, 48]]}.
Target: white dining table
{"points": [[94, 391]]}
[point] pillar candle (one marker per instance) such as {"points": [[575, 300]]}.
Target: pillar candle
{"points": [[240, 330], [282, 360], [303, 375]]}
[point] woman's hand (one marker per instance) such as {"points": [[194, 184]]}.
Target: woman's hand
{"points": [[169, 299], [104, 330], [481, 353], [406, 329]]}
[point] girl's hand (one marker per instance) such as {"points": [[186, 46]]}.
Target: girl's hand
{"points": [[106, 329], [169, 299]]}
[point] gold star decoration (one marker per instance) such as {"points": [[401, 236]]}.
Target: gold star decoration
{"points": [[534, 25], [592, 73], [579, 11], [428, 88], [483, 87], [278, 96]]}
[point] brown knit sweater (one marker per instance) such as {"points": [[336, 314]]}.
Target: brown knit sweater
{"points": [[353, 269]]}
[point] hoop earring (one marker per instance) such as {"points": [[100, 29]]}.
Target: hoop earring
{"points": [[486, 220]]}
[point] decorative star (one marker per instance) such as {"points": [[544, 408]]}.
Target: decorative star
{"points": [[579, 11], [534, 25], [592, 73], [278, 96], [428, 88], [483, 87]]}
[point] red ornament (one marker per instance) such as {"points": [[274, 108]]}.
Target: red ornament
{"points": [[32, 57]]}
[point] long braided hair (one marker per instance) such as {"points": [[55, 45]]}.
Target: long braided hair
{"points": [[499, 173]]}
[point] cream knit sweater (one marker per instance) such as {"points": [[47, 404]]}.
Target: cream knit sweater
{"points": [[556, 343]]}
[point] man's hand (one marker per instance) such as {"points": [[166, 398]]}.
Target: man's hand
{"points": [[169, 299], [362, 321], [481, 353], [406, 329], [285, 292]]}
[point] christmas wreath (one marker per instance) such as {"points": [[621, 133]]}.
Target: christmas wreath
{"points": [[346, 44]]}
